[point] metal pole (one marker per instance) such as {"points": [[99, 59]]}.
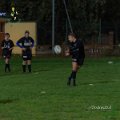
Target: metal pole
{"points": [[68, 17], [66, 24], [100, 30], [100, 23], [53, 25], [66, 30]]}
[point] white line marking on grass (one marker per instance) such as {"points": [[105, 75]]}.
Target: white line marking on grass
{"points": [[110, 62], [91, 84], [43, 92]]}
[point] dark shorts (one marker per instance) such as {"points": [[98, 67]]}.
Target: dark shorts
{"points": [[79, 61], [26, 55], [6, 54]]}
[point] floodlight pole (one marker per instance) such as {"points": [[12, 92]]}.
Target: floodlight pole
{"points": [[68, 17], [100, 25], [53, 25]]}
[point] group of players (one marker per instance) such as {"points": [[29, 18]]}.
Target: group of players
{"points": [[26, 43]]}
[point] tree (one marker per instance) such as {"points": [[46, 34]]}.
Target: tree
{"points": [[85, 16]]}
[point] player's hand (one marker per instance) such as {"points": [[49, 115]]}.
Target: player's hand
{"points": [[30, 48], [67, 53], [23, 49], [10, 49]]}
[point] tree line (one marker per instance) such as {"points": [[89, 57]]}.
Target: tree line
{"points": [[85, 16]]}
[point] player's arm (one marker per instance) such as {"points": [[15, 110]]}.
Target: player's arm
{"points": [[12, 46], [32, 43], [81, 45], [67, 52], [19, 44], [81, 49]]}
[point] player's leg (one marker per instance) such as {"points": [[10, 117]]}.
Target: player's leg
{"points": [[7, 64], [24, 63], [74, 71], [29, 58], [29, 65], [75, 68], [6, 57]]}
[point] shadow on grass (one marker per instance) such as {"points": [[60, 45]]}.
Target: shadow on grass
{"points": [[99, 82], [7, 101]]}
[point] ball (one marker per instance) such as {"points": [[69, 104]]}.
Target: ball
{"points": [[57, 49]]}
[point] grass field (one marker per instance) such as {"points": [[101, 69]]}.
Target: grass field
{"points": [[44, 95]]}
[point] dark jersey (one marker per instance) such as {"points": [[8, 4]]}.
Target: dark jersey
{"points": [[77, 49], [25, 43], [6, 45]]}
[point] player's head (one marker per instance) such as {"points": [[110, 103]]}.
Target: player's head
{"points": [[71, 37], [7, 36], [27, 33]]}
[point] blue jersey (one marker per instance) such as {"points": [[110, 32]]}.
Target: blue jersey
{"points": [[25, 43]]}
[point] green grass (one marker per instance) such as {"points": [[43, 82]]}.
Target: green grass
{"points": [[21, 97]]}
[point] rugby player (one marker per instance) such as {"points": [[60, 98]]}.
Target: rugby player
{"points": [[7, 47], [76, 50], [26, 43]]}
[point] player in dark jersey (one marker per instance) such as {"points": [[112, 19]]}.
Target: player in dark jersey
{"points": [[26, 43], [7, 47], [76, 50]]}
